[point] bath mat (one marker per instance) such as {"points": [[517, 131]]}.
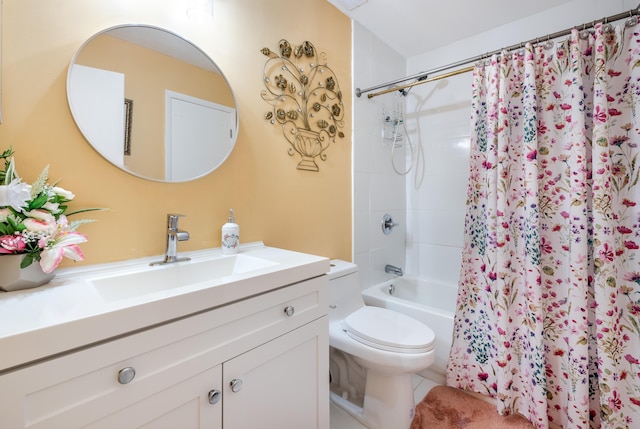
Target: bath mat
{"points": [[448, 408]]}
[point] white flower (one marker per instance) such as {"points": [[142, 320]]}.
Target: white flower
{"points": [[41, 215], [40, 221], [51, 207], [67, 195], [36, 225], [16, 195], [64, 246], [4, 214]]}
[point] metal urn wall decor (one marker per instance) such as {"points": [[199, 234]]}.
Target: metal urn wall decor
{"points": [[305, 100]]}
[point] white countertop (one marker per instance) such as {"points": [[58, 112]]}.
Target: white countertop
{"points": [[69, 313]]}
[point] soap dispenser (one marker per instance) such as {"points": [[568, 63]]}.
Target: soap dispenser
{"points": [[230, 235]]}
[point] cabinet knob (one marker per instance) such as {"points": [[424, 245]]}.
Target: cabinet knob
{"points": [[214, 396], [236, 385], [289, 310], [126, 375]]}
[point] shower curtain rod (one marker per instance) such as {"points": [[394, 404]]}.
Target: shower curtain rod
{"points": [[424, 77]]}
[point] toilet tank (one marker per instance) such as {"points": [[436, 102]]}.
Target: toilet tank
{"points": [[345, 294]]}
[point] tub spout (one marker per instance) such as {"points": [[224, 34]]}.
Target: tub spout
{"points": [[392, 269]]}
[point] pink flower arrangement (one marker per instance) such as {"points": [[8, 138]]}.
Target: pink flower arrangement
{"points": [[33, 220]]}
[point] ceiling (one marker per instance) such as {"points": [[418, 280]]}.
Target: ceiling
{"points": [[413, 27]]}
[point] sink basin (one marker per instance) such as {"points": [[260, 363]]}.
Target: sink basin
{"points": [[176, 275]]}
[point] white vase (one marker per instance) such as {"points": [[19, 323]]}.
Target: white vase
{"points": [[12, 277]]}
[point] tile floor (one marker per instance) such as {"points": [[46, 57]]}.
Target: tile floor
{"points": [[341, 420]]}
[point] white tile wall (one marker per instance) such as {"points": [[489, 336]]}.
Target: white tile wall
{"points": [[377, 189]]}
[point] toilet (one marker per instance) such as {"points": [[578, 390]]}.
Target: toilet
{"points": [[373, 353]]}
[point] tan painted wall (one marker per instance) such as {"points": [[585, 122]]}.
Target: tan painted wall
{"points": [[274, 202]]}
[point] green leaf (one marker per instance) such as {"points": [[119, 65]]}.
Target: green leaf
{"points": [[635, 325], [597, 262], [9, 172], [38, 202], [11, 221], [26, 261], [91, 209], [7, 153]]}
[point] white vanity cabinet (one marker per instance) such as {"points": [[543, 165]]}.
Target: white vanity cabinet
{"points": [[256, 362]]}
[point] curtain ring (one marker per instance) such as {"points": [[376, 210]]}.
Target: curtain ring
{"points": [[584, 34], [631, 22], [548, 44]]}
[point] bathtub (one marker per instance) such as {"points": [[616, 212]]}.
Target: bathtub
{"points": [[431, 303]]}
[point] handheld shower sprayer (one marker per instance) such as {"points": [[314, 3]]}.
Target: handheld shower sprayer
{"points": [[396, 135]]}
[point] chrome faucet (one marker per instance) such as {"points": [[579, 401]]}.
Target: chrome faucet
{"points": [[173, 236], [392, 269]]}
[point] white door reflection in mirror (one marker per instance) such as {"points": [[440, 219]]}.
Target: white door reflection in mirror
{"points": [[99, 100], [197, 132]]}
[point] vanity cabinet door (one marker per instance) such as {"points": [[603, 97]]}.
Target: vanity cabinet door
{"points": [[283, 384], [176, 366], [195, 403], [87, 389]]}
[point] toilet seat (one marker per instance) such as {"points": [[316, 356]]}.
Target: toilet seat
{"points": [[388, 330]]}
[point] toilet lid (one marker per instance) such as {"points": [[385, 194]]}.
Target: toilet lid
{"points": [[389, 330]]}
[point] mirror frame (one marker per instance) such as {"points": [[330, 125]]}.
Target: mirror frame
{"points": [[182, 40]]}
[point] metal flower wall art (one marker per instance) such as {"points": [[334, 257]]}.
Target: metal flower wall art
{"points": [[305, 100]]}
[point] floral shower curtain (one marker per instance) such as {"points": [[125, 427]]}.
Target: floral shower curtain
{"points": [[548, 311]]}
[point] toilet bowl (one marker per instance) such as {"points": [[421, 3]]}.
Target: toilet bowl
{"points": [[374, 352]]}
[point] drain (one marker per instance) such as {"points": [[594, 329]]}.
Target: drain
{"points": [[391, 289]]}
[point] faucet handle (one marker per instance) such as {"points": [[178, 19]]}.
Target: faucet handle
{"points": [[172, 220], [388, 224]]}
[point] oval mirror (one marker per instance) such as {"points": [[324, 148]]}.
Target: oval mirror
{"points": [[152, 103]]}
